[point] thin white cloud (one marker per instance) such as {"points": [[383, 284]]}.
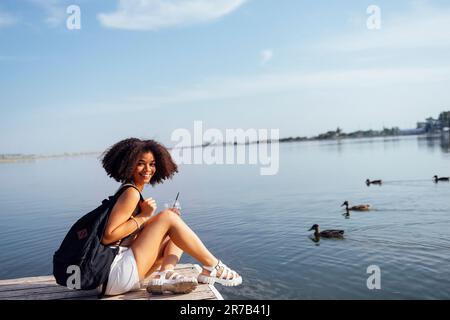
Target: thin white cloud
{"points": [[366, 93], [157, 14], [422, 27], [6, 19], [238, 87], [54, 10], [256, 86], [266, 56]]}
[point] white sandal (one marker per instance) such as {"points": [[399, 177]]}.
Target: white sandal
{"points": [[223, 279], [175, 283]]}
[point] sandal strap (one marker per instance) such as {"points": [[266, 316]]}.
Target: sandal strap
{"points": [[162, 274], [176, 276], [226, 271], [215, 268]]}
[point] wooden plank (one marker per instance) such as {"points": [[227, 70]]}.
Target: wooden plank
{"points": [[45, 288], [50, 278], [28, 285], [201, 292], [216, 292], [54, 289], [71, 294], [27, 280]]}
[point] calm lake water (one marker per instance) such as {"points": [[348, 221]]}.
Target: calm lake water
{"points": [[258, 224]]}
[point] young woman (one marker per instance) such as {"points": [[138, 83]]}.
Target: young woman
{"points": [[149, 241]]}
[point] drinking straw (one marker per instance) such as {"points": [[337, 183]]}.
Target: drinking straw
{"points": [[175, 200]]}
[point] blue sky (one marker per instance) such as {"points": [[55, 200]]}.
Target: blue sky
{"points": [[145, 68]]}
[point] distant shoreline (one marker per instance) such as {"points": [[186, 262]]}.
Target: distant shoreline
{"points": [[11, 158], [8, 158]]}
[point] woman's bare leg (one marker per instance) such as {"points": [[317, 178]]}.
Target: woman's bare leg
{"points": [[168, 257], [160, 258], [172, 254], [167, 223]]}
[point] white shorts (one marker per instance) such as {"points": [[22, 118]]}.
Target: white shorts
{"points": [[123, 275]]}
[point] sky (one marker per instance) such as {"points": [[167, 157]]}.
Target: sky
{"points": [[144, 68]]}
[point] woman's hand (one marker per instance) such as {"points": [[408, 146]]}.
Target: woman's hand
{"points": [[176, 210], [148, 207]]}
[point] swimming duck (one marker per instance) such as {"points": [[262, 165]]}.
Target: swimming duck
{"points": [[326, 233], [437, 179], [361, 207], [378, 182]]}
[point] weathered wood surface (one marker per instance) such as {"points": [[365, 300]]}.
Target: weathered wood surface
{"points": [[45, 288]]}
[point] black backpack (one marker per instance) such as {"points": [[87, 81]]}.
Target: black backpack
{"points": [[82, 261]]}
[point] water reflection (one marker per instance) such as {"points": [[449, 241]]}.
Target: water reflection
{"points": [[315, 239], [431, 142], [340, 146]]}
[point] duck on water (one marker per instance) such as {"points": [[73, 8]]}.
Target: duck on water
{"points": [[326, 233], [377, 182], [360, 207], [437, 179]]}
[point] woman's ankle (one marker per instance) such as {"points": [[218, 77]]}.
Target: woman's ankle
{"points": [[207, 269], [212, 263]]}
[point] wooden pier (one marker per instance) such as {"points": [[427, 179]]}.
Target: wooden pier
{"points": [[45, 288]]}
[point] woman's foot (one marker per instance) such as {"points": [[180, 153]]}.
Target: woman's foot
{"points": [[221, 274], [169, 280]]}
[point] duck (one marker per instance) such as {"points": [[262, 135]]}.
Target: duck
{"points": [[378, 182], [326, 233], [361, 207], [437, 179]]}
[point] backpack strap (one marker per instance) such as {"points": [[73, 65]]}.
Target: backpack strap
{"points": [[126, 186], [102, 294], [117, 195]]}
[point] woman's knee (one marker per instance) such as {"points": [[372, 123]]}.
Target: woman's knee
{"points": [[167, 214], [163, 218]]}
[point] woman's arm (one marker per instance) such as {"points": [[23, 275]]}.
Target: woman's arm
{"points": [[119, 224]]}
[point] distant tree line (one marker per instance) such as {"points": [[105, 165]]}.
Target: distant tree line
{"points": [[444, 119]]}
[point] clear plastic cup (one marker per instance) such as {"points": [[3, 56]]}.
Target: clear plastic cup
{"points": [[173, 205]]}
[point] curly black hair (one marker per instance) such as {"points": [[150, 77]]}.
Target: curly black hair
{"points": [[120, 160]]}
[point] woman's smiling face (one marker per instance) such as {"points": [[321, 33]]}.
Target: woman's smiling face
{"points": [[145, 169]]}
